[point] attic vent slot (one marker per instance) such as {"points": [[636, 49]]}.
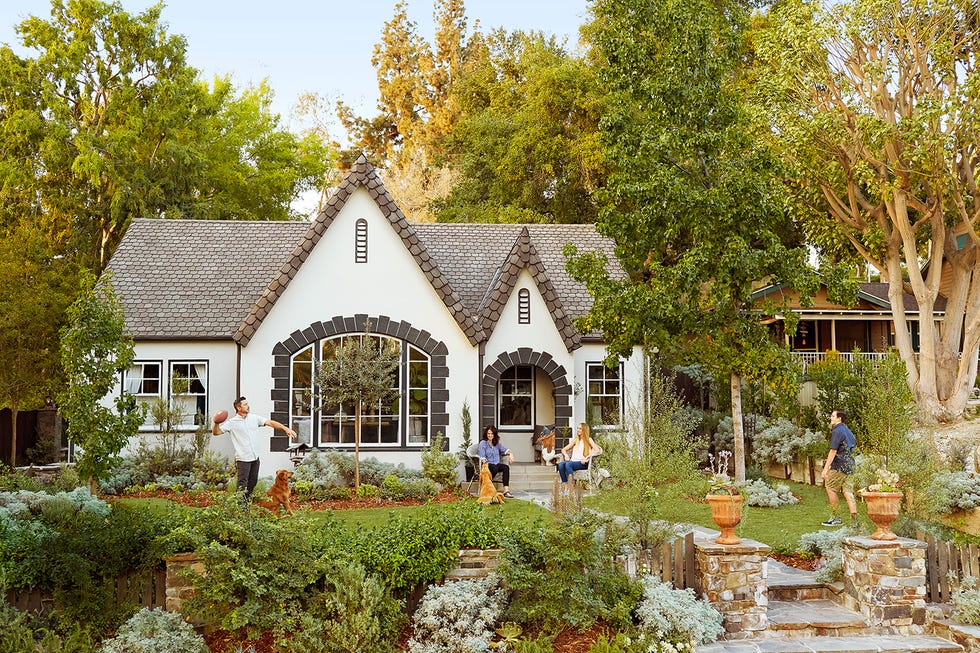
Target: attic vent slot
{"points": [[360, 241], [524, 306]]}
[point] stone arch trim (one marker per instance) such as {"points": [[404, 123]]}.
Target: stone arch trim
{"points": [[381, 325], [526, 356]]}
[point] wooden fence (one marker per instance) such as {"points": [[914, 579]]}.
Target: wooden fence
{"points": [[147, 590], [673, 562], [946, 565]]}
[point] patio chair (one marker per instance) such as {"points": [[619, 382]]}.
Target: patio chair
{"points": [[473, 454]]}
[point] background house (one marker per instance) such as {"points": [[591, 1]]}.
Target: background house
{"points": [[481, 313]]}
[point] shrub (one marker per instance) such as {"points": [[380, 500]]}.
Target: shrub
{"points": [[564, 574], [155, 631], [966, 601], [759, 493], [414, 550], [439, 466], [458, 617], [319, 470], [25, 633], [352, 613], [253, 580], [827, 545], [412, 488], [372, 470], [677, 615], [781, 441], [955, 491]]}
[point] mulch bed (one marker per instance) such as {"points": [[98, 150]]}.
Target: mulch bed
{"points": [[808, 563]]}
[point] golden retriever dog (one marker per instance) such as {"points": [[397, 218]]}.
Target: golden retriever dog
{"points": [[548, 454], [279, 492], [488, 493]]}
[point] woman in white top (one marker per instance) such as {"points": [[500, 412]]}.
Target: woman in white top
{"points": [[583, 447]]}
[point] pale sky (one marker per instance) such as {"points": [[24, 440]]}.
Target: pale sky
{"points": [[321, 46]]}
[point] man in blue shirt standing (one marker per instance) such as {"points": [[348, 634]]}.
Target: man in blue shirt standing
{"points": [[839, 467]]}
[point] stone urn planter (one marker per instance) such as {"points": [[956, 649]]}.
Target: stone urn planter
{"points": [[883, 508], [726, 511]]}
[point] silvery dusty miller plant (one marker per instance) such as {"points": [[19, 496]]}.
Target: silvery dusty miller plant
{"points": [[458, 617], [677, 615], [155, 631]]}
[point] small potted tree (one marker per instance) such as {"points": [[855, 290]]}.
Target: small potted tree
{"points": [[468, 470]]}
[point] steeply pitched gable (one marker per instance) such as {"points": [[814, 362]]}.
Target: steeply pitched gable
{"points": [[363, 174], [523, 255]]}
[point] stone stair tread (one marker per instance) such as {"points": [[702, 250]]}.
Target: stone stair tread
{"points": [[813, 613], [864, 644]]}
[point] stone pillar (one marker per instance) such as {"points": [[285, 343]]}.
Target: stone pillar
{"points": [[179, 587], [733, 579], [886, 582]]}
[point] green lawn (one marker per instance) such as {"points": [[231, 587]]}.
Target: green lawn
{"points": [[780, 528], [514, 510]]}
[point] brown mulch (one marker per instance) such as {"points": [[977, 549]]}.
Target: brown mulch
{"points": [[223, 641], [808, 563]]}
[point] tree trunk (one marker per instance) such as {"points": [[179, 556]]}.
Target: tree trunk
{"points": [[357, 448], [738, 429], [13, 434]]}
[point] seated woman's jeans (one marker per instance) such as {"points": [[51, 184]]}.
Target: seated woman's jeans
{"points": [[568, 467]]}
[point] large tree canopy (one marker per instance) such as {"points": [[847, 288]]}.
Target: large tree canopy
{"points": [[107, 121], [691, 202], [525, 145], [874, 107]]}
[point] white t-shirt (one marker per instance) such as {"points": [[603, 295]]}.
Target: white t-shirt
{"points": [[578, 451], [244, 435]]}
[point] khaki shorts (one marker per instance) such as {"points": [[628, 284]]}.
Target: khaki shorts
{"points": [[838, 480]]}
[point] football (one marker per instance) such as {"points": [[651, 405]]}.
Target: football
{"points": [[220, 416]]}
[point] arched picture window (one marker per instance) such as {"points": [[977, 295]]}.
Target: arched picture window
{"points": [[403, 421], [524, 306], [360, 241]]}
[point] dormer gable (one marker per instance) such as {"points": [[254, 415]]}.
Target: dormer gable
{"points": [[523, 255]]}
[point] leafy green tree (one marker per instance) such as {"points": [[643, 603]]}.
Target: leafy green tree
{"points": [[363, 373], [692, 201], [36, 286], [95, 350], [106, 120], [873, 107], [525, 144]]}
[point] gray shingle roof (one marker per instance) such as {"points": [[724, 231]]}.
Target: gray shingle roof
{"points": [[196, 278], [200, 279]]}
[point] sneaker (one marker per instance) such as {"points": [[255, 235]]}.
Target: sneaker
{"points": [[833, 521]]}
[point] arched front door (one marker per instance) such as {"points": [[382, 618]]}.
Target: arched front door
{"points": [[521, 391]]}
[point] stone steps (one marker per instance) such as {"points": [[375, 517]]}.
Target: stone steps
{"points": [[814, 618], [864, 644], [526, 477]]}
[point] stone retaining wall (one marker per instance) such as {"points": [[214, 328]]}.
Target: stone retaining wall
{"points": [[886, 582]]}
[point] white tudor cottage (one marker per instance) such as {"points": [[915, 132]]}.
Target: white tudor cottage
{"points": [[482, 313]]}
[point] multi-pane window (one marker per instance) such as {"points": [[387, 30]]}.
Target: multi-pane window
{"points": [[143, 379], [604, 397], [301, 386], [524, 306], [184, 392], [384, 424], [189, 392], [516, 398]]}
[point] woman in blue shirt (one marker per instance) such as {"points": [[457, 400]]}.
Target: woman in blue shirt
{"points": [[491, 451]]}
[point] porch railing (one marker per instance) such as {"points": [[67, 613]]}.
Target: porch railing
{"points": [[808, 357]]}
